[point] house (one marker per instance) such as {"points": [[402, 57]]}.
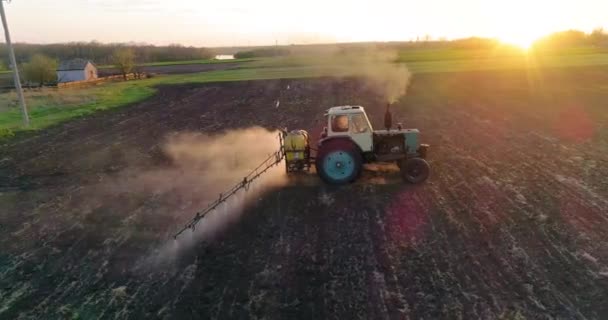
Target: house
{"points": [[76, 70], [224, 57]]}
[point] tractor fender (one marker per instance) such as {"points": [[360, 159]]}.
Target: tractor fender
{"points": [[339, 138]]}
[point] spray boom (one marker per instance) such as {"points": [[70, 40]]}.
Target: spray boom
{"points": [[272, 160]]}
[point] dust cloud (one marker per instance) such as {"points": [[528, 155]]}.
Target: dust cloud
{"points": [[200, 168], [221, 162]]}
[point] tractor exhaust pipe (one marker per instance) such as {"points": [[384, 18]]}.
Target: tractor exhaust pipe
{"points": [[388, 118]]}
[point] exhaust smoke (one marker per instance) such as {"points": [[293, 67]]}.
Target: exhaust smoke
{"points": [[381, 73]]}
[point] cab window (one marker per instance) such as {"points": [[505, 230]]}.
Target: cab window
{"points": [[359, 124], [339, 123]]}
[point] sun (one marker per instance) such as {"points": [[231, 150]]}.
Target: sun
{"points": [[519, 22], [523, 42]]}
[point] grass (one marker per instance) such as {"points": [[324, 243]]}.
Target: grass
{"points": [[443, 54], [507, 63], [50, 106], [436, 61]]}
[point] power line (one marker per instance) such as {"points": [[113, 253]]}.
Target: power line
{"points": [[11, 53]]}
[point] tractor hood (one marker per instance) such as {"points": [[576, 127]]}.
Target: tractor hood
{"points": [[412, 141]]}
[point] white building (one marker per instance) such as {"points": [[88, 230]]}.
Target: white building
{"points": [[224, 57], [76, 70]]}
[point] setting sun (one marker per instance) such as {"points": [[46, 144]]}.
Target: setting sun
{"points": [[521, 41], [521, 23]]}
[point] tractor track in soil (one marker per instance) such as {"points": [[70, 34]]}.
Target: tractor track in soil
{"points": [[512, 223]]}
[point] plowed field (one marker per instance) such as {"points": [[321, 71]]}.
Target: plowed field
{"points": [[512, 224]]}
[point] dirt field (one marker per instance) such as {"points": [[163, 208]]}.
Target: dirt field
{"points": [[512, 223]]}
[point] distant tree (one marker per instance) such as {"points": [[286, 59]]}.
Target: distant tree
{"points": [[598, 37], [264, 52], [138, 71], [562, 39], [124, 60], [244, 55], [40, 69]]}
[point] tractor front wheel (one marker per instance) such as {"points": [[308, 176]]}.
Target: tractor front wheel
{"points": [[338, 162], [414, 170]]}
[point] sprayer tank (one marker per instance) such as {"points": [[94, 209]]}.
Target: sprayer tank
{"points": [[297, 150]]}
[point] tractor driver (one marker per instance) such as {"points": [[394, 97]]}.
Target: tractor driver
{"points": [[339, 123]]}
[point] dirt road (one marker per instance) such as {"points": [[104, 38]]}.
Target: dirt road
{"points": [[511, 225]]}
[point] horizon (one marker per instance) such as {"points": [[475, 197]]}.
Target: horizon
{"points": [[271, 22]]}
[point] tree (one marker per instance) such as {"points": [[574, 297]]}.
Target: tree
{"points": [[124, 60], [598, 37], [40, 69], [562, 39], [264, 52]]}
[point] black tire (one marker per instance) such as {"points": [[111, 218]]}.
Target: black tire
{"points": [[415, 170], [339, 146]]}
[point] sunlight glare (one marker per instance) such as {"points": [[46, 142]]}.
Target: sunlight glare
{"points": [[523, 42]]}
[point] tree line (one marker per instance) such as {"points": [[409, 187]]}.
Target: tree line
{"points": [[572, 39], [38, 62], [262, 52], [101, 53], [40, 69]]}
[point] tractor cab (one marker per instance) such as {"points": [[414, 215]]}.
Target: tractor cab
{"points": [[350, 122]]}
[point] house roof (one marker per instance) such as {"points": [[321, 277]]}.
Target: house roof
{"points": [[74, 64]]}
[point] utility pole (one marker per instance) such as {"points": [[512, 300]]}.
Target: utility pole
{"points": [[11, 53]]}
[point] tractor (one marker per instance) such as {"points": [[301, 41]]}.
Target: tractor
{"points": [[348, 141]]}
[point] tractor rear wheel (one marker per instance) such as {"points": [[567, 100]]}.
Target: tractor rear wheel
{"points": [[338, 162], [414, 170]]}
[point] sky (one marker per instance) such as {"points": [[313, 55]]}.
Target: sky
{"points": [[264, 22]]}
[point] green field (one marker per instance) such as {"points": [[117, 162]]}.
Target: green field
{"points": [[438, 54], [51, 106], [184, 62]]}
